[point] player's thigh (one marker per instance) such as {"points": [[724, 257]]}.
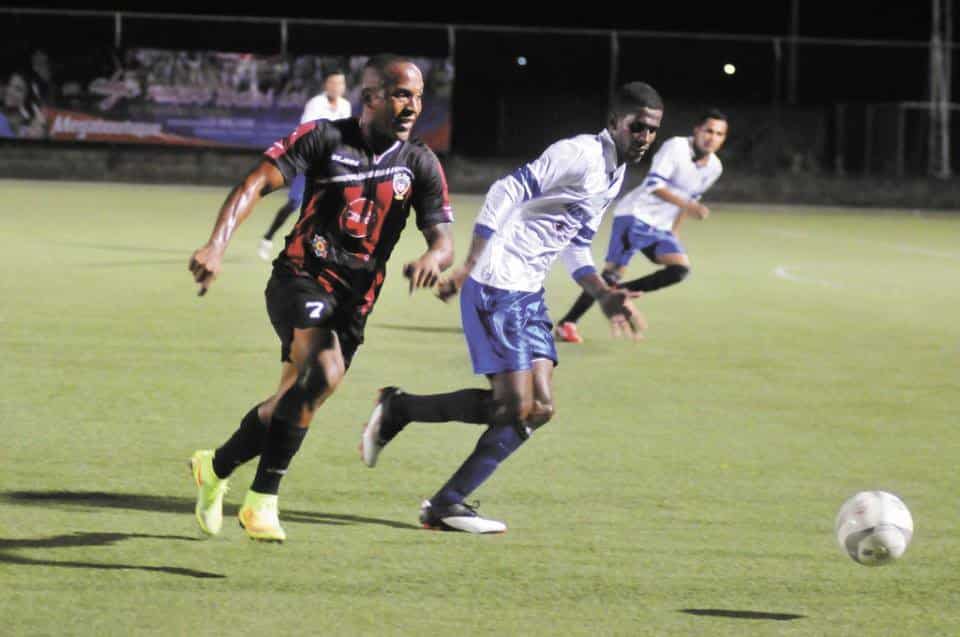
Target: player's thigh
{"points": [[318, 347], [543, 407], [297, 303], [512, 396], [543, 381]]}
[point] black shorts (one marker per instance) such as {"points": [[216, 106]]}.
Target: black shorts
{"points": [[298, 302]]}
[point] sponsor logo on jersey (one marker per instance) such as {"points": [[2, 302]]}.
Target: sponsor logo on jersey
{"points": [[359, 217], [401, 185], [349, 161]]}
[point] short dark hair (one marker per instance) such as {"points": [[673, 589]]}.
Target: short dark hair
{"points": [[380, 63], [633, 96], [326, 76], [711, 113]]}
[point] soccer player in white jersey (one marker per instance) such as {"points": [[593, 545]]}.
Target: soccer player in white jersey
{"points": [[330, 104], [648, 218], [549, 207]]}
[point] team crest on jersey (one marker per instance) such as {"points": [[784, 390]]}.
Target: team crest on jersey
{"points": [[319, 246], [401, 185]]}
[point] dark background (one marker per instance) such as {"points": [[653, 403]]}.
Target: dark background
{"points": [[502, 108]]}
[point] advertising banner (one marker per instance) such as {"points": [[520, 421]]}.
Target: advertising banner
{"points": [[159, 96]]}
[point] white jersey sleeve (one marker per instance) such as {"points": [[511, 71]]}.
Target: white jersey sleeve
{"points": [[559, 165], [577, 257], [663, 167]]}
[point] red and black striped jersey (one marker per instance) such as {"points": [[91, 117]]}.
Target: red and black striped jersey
{"points": [[355, 204]]}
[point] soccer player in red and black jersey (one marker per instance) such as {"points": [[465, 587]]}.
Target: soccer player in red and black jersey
{"points": [[362, 177]]}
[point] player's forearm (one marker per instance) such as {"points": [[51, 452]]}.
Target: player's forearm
{"points": [[239, 204], [678, 222], [481, 236], [671, 197], [440, 245]]}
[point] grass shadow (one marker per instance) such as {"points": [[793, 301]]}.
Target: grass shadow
{"points": [[74, 540], [741, 614], [428, 329], [173, 504]]}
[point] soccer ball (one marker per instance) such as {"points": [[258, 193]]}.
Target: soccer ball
{"points": [[874, 527]]}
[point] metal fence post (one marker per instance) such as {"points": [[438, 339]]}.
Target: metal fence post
{"points": [[614, 68]]}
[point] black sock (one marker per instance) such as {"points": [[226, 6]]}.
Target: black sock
{"points": [[463, 405], [285, 434], [282, 442], [278, 220], [660, 279], [244, 445], [583, 303], [495, 445]]}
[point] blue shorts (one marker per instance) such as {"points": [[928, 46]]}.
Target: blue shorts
{"points": [[630, 234], [505, 331], [295, 195]]}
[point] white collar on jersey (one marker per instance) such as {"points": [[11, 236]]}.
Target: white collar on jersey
{"points": [[609, 150]]}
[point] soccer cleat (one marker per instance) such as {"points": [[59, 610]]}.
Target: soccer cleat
{"points": [[210, 491], [266, 249], [258, 517], [373, 441], [457, 517], [567, 332]]}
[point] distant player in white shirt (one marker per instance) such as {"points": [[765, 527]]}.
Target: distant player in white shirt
{"points": [[330, 104], [548, 208], [648, 218]]}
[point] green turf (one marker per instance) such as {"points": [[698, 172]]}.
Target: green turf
{"points": [[700, 469]]}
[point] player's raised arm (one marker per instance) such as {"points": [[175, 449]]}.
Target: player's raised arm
{"points": [[205, 263]]}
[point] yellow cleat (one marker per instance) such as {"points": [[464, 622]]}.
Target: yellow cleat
{"points": [[210, 491], [258, 517]]}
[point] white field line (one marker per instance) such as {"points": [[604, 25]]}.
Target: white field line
{"points": [[903, 248], [781, 272]]}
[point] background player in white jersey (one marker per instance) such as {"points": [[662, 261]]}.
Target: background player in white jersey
{"points": [[549, 207], [649, 217], [330, 104]]}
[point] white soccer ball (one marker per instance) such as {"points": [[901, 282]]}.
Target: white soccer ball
{"points": [[874, 527]]}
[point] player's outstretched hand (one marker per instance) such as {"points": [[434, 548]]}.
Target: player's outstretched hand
{"points": [[448, 288], [422, 273], [205, 266], [625, 320], [698, 210]]}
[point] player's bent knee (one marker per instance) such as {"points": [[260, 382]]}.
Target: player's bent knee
{"points": [[540, 414], [507, 413]]}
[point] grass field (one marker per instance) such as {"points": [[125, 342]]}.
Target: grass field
{"points": [[687, 485]]}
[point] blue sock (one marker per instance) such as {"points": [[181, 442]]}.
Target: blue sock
{"points": [[495, 445]]}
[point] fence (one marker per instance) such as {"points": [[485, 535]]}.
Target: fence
{"points": [[517, 88]]}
